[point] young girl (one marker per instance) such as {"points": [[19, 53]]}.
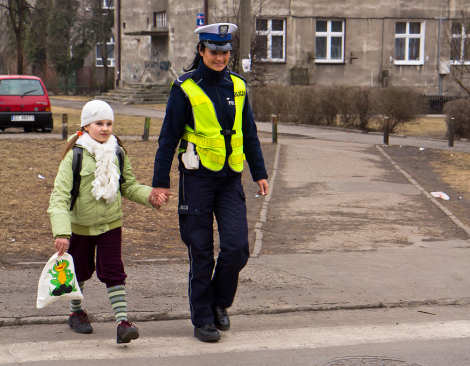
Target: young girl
{"points": [[94, 223]]}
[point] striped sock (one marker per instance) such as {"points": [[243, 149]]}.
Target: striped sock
{"points": [[117, 296], [76, 305]]}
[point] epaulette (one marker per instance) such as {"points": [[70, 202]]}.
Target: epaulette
{"points": [[183, 78], [234, 73]]}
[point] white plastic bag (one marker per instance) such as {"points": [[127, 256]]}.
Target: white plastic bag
{"points": [[58, 281]]}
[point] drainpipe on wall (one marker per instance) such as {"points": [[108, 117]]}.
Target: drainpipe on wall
{"points": [[439, 52], [118, 43], [206, 12]]}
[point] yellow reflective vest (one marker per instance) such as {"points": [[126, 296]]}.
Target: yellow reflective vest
{"points": [[207, 134]]}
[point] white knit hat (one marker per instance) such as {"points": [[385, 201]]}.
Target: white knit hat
{"points": [[96, 110]]}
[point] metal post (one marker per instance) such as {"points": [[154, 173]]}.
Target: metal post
{"points": [[146, 134], [118, 43], [386, 130], [244, 29], [451, 131], [274, 123], [64, 126]]}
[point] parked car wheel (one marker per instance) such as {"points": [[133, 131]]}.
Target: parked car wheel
{"points": [[27, 129]]}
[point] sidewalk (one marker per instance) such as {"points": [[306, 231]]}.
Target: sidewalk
{"points": [[345, 229]]}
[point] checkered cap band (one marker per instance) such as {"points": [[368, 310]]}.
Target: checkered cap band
{"points": [[96, 110]]}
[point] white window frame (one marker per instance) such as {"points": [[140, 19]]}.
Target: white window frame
{"points": [[162, 20], [270, 33], [463, 36], [99, 61], [407, 36], [104, 4], [329, 34]]}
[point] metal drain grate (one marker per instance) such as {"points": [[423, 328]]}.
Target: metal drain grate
{"points": [[367, 361]]}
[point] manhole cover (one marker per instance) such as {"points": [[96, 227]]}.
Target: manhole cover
{"points": [[367, 361]]}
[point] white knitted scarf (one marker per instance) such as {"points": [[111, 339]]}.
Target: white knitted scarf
{"points": [[106, 183]]}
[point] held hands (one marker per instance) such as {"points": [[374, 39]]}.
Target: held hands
{"points": [[263, 187], [61, 245], [158, 196]]}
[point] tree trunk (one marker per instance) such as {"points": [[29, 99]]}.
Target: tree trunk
{"points": [[105, 76], [19, 53]]}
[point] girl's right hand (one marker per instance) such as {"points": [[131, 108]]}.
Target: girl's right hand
{"points": [[61, 245]]}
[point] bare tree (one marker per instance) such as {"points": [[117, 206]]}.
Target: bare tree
{"points": [[18, 11], [101, 23], [455, 42], [229, 11]]}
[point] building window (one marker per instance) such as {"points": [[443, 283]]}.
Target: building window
{"points": [[460, 44], [110, 54], [159, 19], [107, 4], [409, 43], [329, 41], [270, 40]]}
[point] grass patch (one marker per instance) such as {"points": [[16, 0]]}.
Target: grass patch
{"points": [[428, 127], [453, 170], [160, 107], [124, 125]]}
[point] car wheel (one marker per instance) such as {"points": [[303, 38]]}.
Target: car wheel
{"points": [[27, 129]]}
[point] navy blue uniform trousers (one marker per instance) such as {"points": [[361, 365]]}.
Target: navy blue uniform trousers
{"points": [[212, 284]]}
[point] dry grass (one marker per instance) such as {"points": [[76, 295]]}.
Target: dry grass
{"points": [[160, 107], [453, 169], [430, 127], [25, 231], [124, 125]]}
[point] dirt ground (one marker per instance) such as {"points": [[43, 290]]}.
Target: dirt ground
{"points": [[27, 174]]}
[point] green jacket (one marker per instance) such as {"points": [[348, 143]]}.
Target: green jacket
{"points": [[89, 216]]}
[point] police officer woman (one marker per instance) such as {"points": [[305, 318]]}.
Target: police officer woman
{"points": [[209, 116]]}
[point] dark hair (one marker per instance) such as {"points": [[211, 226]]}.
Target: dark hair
{"points": [[69, 146], [197, 59]]}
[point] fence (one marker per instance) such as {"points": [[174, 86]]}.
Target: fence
{"points": [[75, 89], [436, 102]]}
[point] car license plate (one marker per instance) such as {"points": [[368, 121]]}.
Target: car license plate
{"points": [[22, 118]]}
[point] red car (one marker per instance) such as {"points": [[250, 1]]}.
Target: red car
{"points": [[24, 103]]}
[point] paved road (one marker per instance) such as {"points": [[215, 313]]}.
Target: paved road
{"points": [[397, 337]]}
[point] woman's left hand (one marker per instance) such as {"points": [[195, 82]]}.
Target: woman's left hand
{"points": [[263, 187]]}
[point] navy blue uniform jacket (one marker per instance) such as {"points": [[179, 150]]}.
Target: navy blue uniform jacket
{"points": [[219, 88]]}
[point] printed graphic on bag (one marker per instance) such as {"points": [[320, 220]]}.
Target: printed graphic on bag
{"points": [[62, 279]]}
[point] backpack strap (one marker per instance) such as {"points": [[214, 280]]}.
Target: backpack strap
{"points": [[120, 156], [76, 169]]}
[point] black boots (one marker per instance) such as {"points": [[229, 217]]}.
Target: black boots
{"points": [[221, 319], [207, 333]]}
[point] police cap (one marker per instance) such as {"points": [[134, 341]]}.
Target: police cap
{"points": [[217, 36]]}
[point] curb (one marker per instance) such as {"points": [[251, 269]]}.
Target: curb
{"points": [[146, 317], [264, 211]]}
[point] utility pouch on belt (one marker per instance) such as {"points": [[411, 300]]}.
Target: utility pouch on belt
{"points": [[190, 158]]}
